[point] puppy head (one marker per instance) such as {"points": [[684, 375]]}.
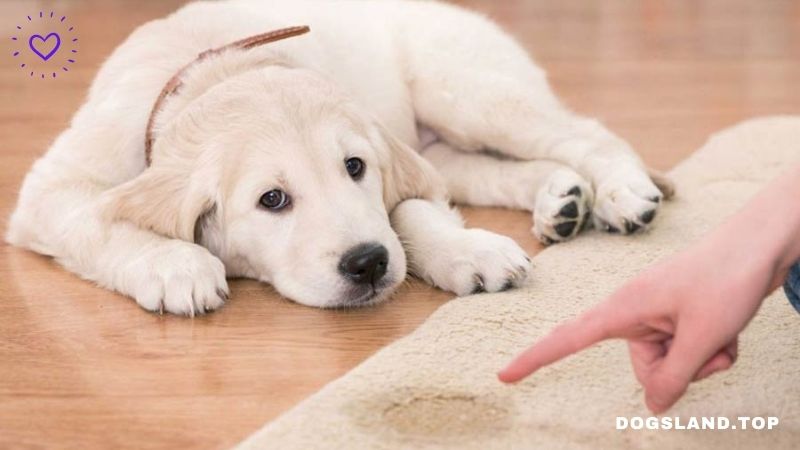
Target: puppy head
{"points": [[280, 176]]}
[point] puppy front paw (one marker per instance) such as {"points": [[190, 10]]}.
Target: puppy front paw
{"points": [[627, 201], [178, 277], [562, 208], [473, 261]]}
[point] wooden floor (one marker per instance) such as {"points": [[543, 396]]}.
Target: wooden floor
{"points": [[84, 368]]}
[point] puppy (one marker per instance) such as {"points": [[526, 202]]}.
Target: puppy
{"points": [[320, 163]]}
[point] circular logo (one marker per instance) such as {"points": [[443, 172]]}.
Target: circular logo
{"points": [[45, 45]]}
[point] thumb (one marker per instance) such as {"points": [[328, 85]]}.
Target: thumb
{"points": [[665, 386], [669, 380]]}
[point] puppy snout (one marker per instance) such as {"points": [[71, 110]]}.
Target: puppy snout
{"points": [[365, 263]]}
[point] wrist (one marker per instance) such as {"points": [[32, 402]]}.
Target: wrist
{"points": [[765, 234], [751, 252]]}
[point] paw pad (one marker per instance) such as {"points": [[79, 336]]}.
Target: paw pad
{"points": [[562, 207], [565, 229], [570, 210], [648, 216]]}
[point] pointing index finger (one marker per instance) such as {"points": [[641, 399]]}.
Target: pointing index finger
{"points": [[570, 337]]}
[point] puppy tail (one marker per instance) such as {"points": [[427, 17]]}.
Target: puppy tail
{"points": [[664, 184]]}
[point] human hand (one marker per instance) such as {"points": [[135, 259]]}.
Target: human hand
{"points": [[681, 318]]}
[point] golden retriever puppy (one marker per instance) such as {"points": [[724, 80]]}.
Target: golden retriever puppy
{"points": [[320, 163]]}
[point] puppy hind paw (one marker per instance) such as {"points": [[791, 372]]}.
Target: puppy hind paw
{"points": [[562, 208], [626, 203]]}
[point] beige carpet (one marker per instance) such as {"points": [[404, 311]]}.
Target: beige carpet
{"points": [[437, 386]]}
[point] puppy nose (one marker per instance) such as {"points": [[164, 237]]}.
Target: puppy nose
{"points": [[365, 263]]}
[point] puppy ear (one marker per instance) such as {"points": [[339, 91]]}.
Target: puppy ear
{"points": [[407, 175], [664, 184], [163, 200]]}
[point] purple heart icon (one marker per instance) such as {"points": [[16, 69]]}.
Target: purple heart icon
{"points": [[34, 41]]}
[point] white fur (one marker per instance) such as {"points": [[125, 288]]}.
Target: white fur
{"points": [[286, 116]]}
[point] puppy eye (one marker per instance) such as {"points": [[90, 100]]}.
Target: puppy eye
{"points": [[275, 200], [355, 167]]}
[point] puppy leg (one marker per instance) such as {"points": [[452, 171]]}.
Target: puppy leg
{"points": [[160, 273], [626, 198], [465, 261], [484, 92], [559, 198]]}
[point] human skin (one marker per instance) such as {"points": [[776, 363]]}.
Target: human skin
{"points": [[682, 316]]}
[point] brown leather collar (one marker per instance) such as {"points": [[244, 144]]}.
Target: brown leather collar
{"points": [[175, 82]]}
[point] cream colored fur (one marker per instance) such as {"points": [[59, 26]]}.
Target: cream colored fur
{"points": [[368, 80]]}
